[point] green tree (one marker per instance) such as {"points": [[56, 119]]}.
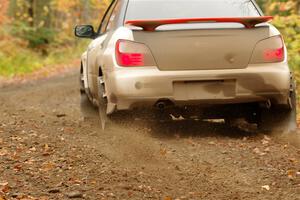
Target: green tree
{"points": [[287, 19]]}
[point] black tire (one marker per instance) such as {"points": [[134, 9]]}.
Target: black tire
{"points": [[250, 113], [281, 119], [162, 115]]}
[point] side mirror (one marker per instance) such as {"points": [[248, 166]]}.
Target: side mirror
{"points": [[85, 31]]}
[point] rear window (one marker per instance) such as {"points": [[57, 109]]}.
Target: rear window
{"points": [[165, 9]]}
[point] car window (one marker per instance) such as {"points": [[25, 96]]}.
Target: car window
{"points": [[107, 18], [165, 9], [111, 22]]}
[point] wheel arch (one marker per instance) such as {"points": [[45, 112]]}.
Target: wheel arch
{"points": [[100, 71]]}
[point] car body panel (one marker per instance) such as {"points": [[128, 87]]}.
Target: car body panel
{"points": [[255, 83], [95, 51], [202, 49], [180, 74]]}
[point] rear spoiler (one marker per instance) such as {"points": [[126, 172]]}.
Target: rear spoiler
{"points": [[151, 25]]}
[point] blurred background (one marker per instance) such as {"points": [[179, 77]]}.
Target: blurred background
{"points": [[39, 33], [35, 34]]}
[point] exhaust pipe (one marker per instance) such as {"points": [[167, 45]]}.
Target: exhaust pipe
{"points": [[161, 105]]}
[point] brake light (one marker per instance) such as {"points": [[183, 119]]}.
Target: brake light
{"points": [[274, 54], [133, 54], [270, 50]]}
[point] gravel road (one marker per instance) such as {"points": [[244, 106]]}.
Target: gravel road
{"points": [[47, 151]]}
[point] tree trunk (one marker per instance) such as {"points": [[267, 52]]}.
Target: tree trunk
{"points": [[31, 12]]}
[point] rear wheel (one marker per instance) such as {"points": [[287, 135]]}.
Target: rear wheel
{"points": [[246, 113], [281, 119]]}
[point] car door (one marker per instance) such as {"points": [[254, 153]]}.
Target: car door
{"points": [[95, 50]]}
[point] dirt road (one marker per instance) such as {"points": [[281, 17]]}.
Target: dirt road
{"points": [[48, 152]]}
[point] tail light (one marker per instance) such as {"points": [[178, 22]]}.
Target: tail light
{"points": [[133, 54], [270, 50]]}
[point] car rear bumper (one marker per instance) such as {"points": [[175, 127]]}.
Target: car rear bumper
{"points": [[136, 87]]}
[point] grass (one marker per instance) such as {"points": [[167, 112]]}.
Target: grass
{"points": [[19, 61]]}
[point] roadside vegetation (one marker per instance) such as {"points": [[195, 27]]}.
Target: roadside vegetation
{"points": [[35, 34], [287, 20]]}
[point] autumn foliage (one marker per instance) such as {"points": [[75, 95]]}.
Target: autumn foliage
{"points": [[287, 20], [3, 11], [35, 33]]}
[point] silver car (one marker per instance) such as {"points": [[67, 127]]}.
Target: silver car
{"points": [[204, 59]]}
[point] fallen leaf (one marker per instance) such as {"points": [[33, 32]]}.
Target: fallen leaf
{"points": [[32, 149], [18, 167], [61, 115], [257, 151], [292, 174], [75, 181], [4, 187], [130, 193], [266, 187], [168, 198], [112, 194], [267, 138], [293, 160], [48, 166], [30, 161], [15, 156], [75, 194], [192, 193], [3, 152], [54, 191], [46, 147], [3, 183], [68, 130], [163, 152], [265, 142]]}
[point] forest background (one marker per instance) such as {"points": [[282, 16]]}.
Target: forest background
{"points": [[35, 34]]}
